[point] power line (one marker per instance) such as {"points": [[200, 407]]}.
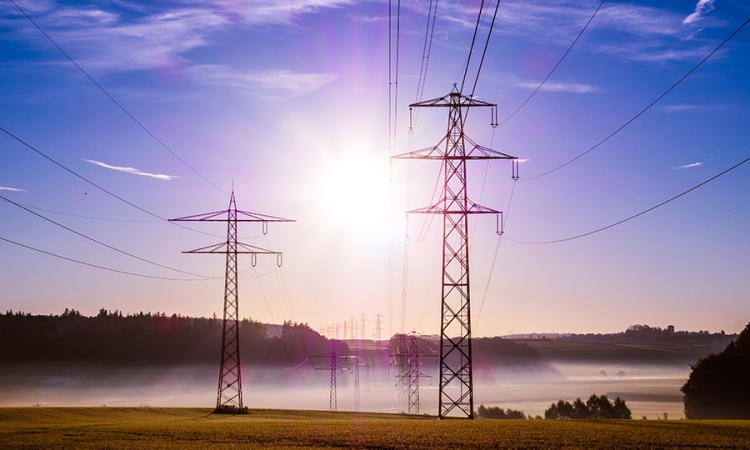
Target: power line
{"points": [[143, 127], [471, 49], [86, 217], [634, 215], [102, 243], [283, 343], [96, 265], [426, 48], [392, 123], [556, 65], [74, 173], [644, 109], [494, 257], [486, 44]]}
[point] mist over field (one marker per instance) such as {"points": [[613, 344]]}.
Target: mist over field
{"points": [[172, 361], [648, 390]]}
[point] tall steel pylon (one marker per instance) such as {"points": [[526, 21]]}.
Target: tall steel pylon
{"points": [[333, 366], [407, 357], [357, 397], [413, 373], [456, 380], [229, 396]]}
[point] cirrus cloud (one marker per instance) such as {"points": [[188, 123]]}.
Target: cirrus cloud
{"points": [[688, 166], [132, 170]]}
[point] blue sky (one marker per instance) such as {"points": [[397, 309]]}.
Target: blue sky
{"points": [[289, 102]]}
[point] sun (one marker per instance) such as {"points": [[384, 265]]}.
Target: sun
{"points": [[353, 193]]}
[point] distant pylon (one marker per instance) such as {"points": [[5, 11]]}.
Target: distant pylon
{"points": [[378, 327], [332, 367], [229, 396], [399, 363], [456, 390], [333, 399], [356, 382]]}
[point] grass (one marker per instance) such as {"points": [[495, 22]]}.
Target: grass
{"points": [[186, 428]]}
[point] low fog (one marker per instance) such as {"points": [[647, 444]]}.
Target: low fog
{"points": [[648, 390]]}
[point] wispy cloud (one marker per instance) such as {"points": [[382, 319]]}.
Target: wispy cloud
{"points": [[678, 108], [688, 166], [703, 7], [576, 88], [267, 84], [132, 170], [688, 107], [3, 188], [629, 31], [154, 37]]}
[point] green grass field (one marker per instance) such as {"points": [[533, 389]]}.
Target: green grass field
{"points": [[185, 428]]}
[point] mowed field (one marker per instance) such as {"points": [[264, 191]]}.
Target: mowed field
{"points": [[186, 428]]}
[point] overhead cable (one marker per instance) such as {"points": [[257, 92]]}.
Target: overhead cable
{"points": [[634, 215], [105, 219], [471, 49], [72, 172], [486, 44], [109, 269], [119, 105], [644, 109], [556, 65], [494, 257], [426, 48], [102, 243]]}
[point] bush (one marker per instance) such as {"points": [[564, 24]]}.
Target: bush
{"points": [[596, 407], [494, 412], [718, 386]]}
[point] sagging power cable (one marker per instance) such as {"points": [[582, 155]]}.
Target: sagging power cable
{"points": [[556, 66], [634, 215], [119, 105], [644, 109]]}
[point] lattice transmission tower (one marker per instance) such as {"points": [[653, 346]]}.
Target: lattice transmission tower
{"points": [[456, 380], [229, 396], [407, 357], [332, 367]]}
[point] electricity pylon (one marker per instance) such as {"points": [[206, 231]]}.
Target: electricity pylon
{"points": [[333, 398], [357, 397], [412, 350], [407, 357], [456, 379], [229, 396]]}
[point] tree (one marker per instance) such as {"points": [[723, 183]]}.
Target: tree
{"points": [[494, 412], [718, 386], [596, 407]]}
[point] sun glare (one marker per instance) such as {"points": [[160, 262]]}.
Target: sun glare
{"points": [[353, 193]]}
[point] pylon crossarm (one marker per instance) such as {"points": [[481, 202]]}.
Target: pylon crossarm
{"points": [[434, 152], [221, 216], [437, 208], [206, 217], [222, 249], [481, 152], [454, 99]]}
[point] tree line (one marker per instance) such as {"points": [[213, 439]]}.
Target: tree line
{"points": [[112, 338], [719, 384]]}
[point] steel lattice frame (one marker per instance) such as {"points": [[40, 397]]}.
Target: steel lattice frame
{"points": [[456, 378], [357, 397], [333, 397], [413, 374], [230, 375], [229, 395]]}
